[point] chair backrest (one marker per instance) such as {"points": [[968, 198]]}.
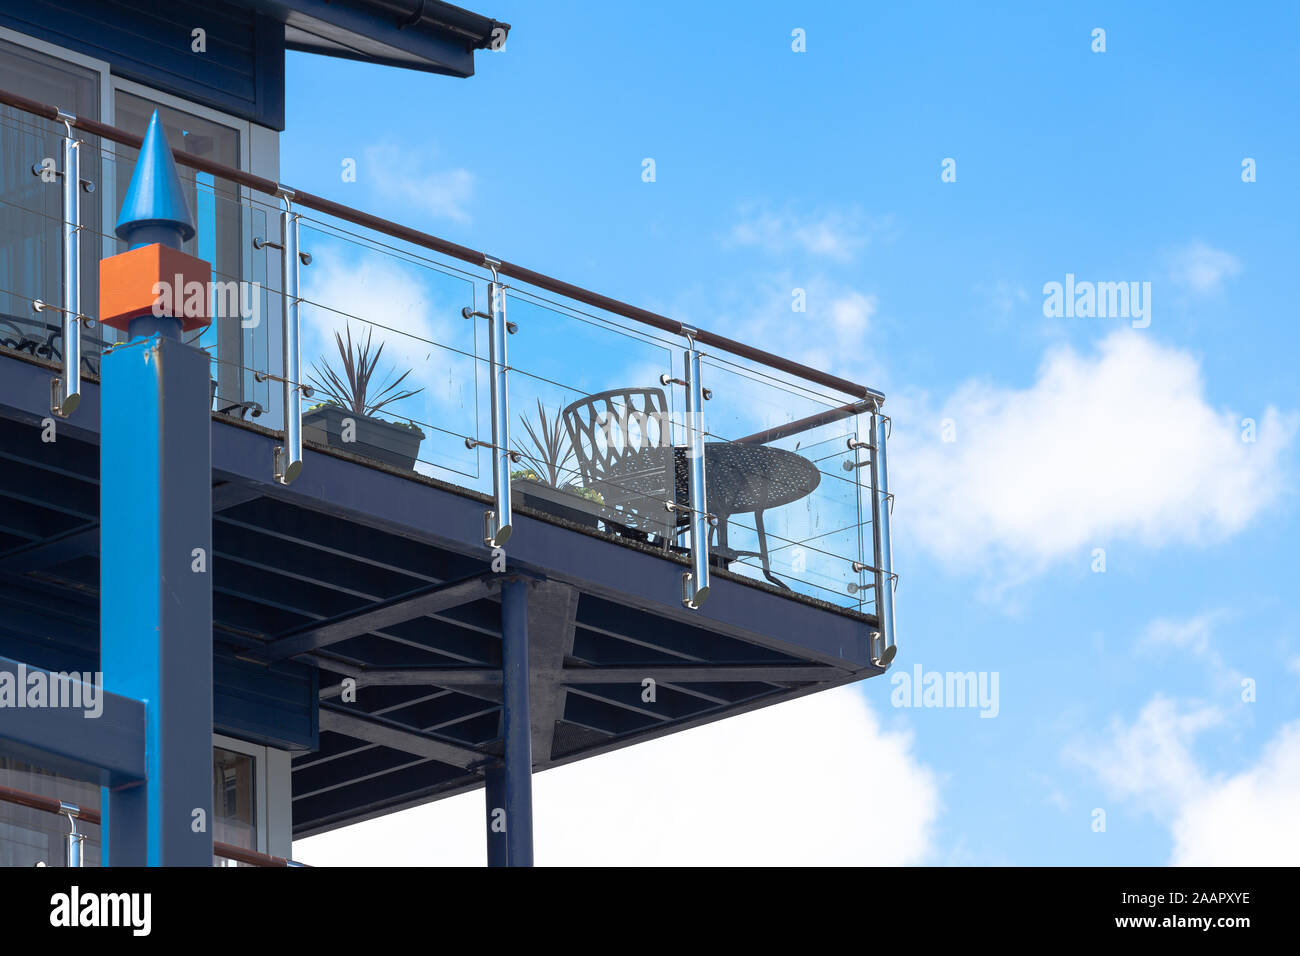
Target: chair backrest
{"points": [[609, 428], [623, 441]]}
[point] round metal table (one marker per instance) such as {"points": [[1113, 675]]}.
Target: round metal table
{"points": [[743, 478]]}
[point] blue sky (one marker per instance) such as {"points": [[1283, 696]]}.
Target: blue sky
{"points": [[1119, 690]]}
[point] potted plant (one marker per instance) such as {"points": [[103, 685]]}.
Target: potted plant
{"points": [[348, 419], [545, 484]]}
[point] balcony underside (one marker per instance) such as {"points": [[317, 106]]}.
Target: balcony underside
{"points": [[357, 571]]}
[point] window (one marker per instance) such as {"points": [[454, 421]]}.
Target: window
{"points": [[29, 836], [31, 242], [234, 800], [240, 814]]}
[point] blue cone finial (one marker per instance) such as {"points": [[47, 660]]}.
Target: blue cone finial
{"points": [[155, 209]]}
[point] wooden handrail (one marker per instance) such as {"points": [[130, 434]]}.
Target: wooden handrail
{"points": [[38, 802], [229, 851]]}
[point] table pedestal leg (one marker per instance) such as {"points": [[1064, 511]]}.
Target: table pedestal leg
{"points": [[762, 551]]}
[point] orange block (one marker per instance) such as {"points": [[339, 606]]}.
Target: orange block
{"points": [[154, 279]]}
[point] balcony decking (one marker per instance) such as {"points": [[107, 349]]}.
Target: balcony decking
{"points": [[365, 572]]}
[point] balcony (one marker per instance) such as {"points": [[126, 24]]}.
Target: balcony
{"points": [[394, 414]]}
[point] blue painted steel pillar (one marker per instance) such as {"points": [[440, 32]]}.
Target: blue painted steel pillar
{"points": [[156, 549], [511, 787], [494, 792], [156, 595]]}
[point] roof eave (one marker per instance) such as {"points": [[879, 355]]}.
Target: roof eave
{"points": [[427, 36]]}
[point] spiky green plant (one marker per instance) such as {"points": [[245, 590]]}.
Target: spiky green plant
{"points": [[551, 451], [352, 389]]}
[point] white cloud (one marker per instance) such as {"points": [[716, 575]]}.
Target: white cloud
{"points": [[830, 334], [801, 311], [1004, 296], [1191, 635], [770, 788], [403, 177], [834, 234], [1120, 444], [411, 310], [1191, 638], [1202, 268], [1242, 819], [1151, 761], [1248, 819], [850, 314]]}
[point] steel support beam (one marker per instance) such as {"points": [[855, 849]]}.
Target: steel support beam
{"points": [[156, 592], [389, 733], [232, 494], [419, 676], [552, 613], [705, 674], [48, 552], [494, 801], [101, 741], [480, 677], [82, 541], [517, 724], [381, 614]]}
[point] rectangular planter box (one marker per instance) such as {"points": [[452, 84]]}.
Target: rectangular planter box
{"points": [[396, 445], [563, 504]]}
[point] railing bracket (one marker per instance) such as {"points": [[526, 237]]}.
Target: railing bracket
{"points": [[692, 598], [307, 390], [515, 456], [687, 509], [493, 536]]}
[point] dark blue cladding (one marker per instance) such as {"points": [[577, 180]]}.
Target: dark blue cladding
{"points": [[240, 71]]}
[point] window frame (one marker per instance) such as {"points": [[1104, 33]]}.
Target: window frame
{"points": [[104, 73], [260, 788], [56, 52], [109, 86]]}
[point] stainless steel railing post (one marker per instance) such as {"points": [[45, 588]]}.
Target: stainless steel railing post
{"points": [[75, 839], [695, 583], [856, 448], [65, 391], [883, 647], [498, 523], [288, 457]]}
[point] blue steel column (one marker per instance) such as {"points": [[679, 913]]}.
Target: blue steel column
{"points": [[156, 609], [494, 793], [518, 725], [156, 550]]}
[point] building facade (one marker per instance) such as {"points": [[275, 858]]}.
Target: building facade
{"points": [[448, 585]]}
